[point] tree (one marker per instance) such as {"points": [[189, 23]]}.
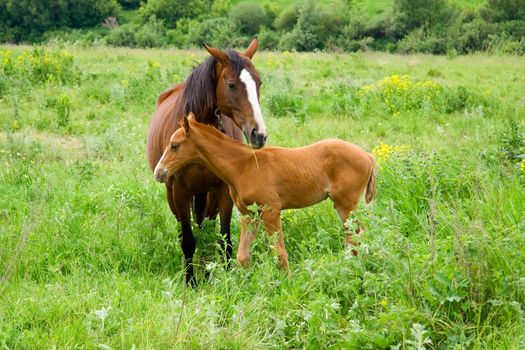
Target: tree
{"points": [[248, 17], [425, 14], [170, 11], [504, 10]]}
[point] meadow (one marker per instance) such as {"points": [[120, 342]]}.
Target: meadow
{"points": [[89, 251]]}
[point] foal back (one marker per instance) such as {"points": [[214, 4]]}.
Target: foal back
{"points": [[304, 176]]}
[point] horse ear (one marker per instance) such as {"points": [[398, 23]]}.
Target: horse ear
{"points": [[250, 51], [217, 54]]}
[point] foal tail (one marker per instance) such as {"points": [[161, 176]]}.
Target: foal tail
{"points": [[371, 185]]}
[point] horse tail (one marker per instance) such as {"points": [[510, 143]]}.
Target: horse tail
{"points": [[371, 185]]}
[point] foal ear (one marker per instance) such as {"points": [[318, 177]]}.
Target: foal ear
{"points": [[186, 124], [250, 51], [217, 54]]}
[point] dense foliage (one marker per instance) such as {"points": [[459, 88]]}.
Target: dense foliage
{"points": [[432, 26]]}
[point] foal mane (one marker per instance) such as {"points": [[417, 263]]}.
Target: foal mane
{"points": [[212, 132], [199, 90]]}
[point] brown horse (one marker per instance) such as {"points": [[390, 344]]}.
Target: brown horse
{"points": [[274, 178], [225, 85]]}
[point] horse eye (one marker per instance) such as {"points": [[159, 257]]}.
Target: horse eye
{"points": [[231, 86], [174, 146]]}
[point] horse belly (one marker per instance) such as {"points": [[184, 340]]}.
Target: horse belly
{"points": [[196, 178]]}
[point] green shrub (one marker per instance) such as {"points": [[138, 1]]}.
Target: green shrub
{"points": [[317, 27], [248, 17], [285, 105], [420, 41], [123, 35], [28, 19], [170, 11], [425, 14], [513, 143], [399, 93], [268, 39], [287, 18], [39, 66], [474, 35], [151, 34], [129, 4], [503, 10], [221, 8], [215, 32], [62, 106]]}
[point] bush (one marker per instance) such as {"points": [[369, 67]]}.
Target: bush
{"points": [[287, 18], [268, 39], [170, 11], [123, 35], [474, 35], [28, 19], [317, 27], [215, 32], [419, 41], [129, 4], [425, 14], [40, 66], [285, 105], [248, 17], [503, 10], [151, 34], [399, 93]]}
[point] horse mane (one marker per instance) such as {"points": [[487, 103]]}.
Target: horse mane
{"points": [[199, 90]]}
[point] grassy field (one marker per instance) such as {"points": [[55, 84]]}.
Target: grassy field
{"points": [[89, 252]]}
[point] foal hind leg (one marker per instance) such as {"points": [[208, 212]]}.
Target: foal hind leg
{"points": [[272, 220], [344, 208]]}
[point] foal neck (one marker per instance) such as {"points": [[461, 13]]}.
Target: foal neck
{"points": [[223, 155]]}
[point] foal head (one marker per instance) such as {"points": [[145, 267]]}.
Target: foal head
{"points": [[237, 91], [179, 152]]}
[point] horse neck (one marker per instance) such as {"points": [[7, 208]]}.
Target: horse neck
{"points": [[220, 154]]}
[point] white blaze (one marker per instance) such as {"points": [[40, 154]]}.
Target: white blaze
{"points": [[251, 89]]}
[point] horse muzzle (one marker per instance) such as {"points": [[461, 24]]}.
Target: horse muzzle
{"points": [[257, 139]]}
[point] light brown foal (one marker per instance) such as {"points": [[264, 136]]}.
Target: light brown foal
{"points": [[274, 178]]}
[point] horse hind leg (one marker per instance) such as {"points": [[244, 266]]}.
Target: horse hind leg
{"points": [[199, 208]]}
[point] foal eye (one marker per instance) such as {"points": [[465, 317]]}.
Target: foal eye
{"points": [[231, 86], [174, 146]]}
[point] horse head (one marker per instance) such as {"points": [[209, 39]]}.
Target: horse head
{"points": [[237, 91]]}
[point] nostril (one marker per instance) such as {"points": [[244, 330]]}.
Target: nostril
{"points": [[265, 138], [253, 133]]}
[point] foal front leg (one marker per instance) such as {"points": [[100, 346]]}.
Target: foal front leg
{"points": [[272, 220], [248, 233]]}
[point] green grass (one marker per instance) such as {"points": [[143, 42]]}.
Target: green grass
{"points": [[89, 253]]}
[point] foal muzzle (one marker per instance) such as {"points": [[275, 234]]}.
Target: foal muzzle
{"points": [[161, 175]]}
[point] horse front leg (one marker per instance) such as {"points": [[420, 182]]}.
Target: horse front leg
{"points": [[272, 220], [182, 203]]}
